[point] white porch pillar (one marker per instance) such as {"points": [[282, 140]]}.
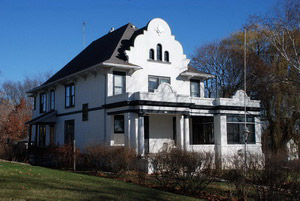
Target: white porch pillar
{"points": [[133, 140], [109, 130], [220, 134], [180, 131], [202, 89], [141, 140], [186, 132], [127, 122], [257, 130]]}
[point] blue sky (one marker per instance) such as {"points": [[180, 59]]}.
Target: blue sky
{"points": [[38, 36]]}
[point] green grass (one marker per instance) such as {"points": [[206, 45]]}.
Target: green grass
{"points": [[27, 182]]}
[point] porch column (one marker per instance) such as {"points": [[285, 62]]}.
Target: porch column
{"points": [[127, 129], [202, 89], [36, 134], [133, 131], [180, 131], [141, 141], [30, 136], [257, 130], [109, 128], [186, 132], [220, 134]]}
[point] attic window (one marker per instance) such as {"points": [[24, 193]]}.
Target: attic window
{"points": [[159, 52], [166, 56], [151, 54]]}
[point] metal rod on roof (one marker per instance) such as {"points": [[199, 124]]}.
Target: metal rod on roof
{"points": [[83, 33], [245, 96]]}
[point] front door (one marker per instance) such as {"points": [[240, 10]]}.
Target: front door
{"points": [[69, 132]]}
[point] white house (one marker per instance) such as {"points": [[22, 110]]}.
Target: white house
{"points": [[134, 87]]}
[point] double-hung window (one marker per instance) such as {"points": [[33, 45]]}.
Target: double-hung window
{"points": [[155, 81], [52, 100], [70, 95], [119, 83], [43, 102], [195, 88], [236, 129]]}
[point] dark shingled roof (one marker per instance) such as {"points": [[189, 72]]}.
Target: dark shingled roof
{"points": [[109, 48]]}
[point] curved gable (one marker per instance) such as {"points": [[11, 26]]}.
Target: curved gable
{"points": [[156, 32]]}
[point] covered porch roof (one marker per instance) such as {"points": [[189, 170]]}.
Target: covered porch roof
{"points": [[46, 118]]}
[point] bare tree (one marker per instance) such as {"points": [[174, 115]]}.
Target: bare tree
{"points": [[281, 28]]}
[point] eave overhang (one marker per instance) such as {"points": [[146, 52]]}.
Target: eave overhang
{"points": [[101, 68], [195, 75]]}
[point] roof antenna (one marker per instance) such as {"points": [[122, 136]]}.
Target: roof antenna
{"points": [[83, 33]]}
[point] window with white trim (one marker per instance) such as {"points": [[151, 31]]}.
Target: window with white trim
{"points": [[52, 99], [195, 88], [70, 95], [155, 81], [119, 83], [43, 102]]}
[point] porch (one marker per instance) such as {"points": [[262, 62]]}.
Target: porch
{"points": [[157, 132]]}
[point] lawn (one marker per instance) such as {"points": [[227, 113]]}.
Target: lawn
{"points": [[25, 182]]}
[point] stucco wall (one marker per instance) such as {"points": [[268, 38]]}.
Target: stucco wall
{"points": [[160, 132]]}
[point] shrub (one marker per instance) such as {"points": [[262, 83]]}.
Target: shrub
{"points": [[110, 159], [13, 152], [54, 157], [237, 177], [187, 171], [275, 178], [63, 157]]}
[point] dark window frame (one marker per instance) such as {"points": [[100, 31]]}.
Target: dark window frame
{"points": [[151, 54], [191, 92], [159, 56], [52, 101], [159, 78], [237, 121], [43, 102], [202, 130], [122, 119], [166, 56], [85, 112], [123, 74], [69, 97]]}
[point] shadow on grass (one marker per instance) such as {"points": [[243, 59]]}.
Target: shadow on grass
{"points": [[73, 188]]}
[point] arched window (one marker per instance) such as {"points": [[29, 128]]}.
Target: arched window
{"points": [[166, 56], [151, 54], [159, 52]]}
